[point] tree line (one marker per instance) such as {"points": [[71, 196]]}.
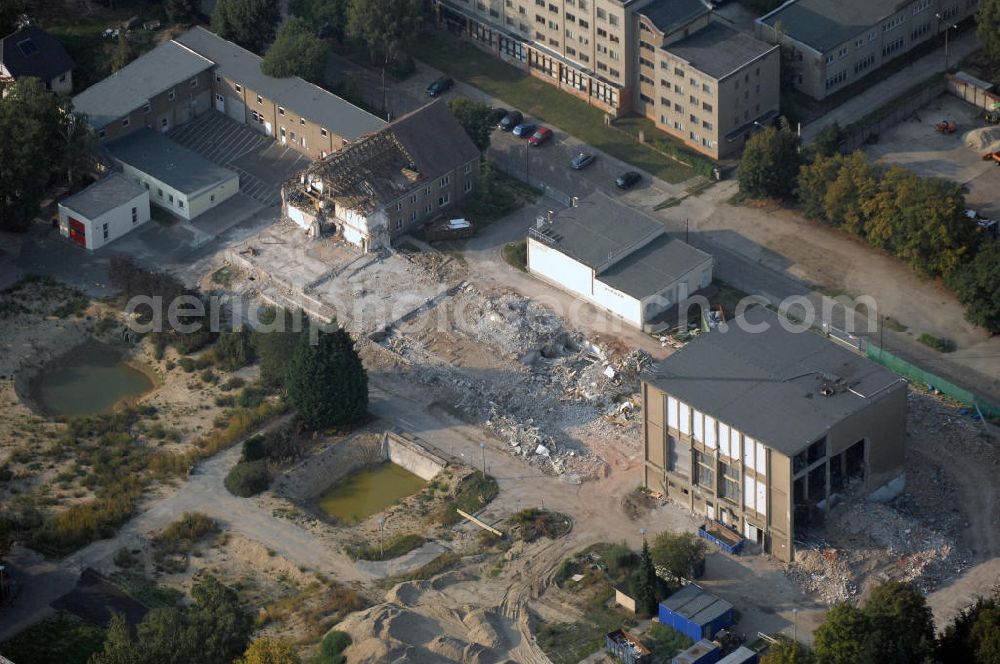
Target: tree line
{"points": [[896, 625], [919, 220]]}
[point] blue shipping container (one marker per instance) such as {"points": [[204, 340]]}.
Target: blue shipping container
{"points": [[696, 613], [703, 652], [741, 655]]}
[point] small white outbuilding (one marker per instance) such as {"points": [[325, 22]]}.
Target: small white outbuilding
{"points": [[104, 211], [617, 258]]}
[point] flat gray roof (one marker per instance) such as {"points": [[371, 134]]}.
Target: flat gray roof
{"points": [[103, 196], [825, 24], [668, 15], [170, 163], [719, 50], [767, 384], [695, 604], [741, 655], [654, 267], [599, 228], [310, 101], [111, 99]]}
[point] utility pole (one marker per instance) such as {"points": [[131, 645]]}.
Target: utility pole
{"points": [[527, 177], [482, 446], [795, 627], [385, 102], [947, 29], [687, 231]]}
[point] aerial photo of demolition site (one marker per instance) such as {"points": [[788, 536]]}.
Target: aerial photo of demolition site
{"points": [[314, 350]]}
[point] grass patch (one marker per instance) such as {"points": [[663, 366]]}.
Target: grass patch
{"points": [[673, 201], [894, 324], [940, 344], [472, 494], [568, 643], [181, 535], [394, 548], [64, 638], [543, 101], [515, 254], [665, 642], [223, 276], [497, 196], [534, 523]]}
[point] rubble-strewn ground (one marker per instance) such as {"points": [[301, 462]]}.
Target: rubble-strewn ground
{"points": [[932, 532]]}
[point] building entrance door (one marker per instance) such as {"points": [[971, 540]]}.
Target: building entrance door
{"points": [[220, 103], [78, 232]]}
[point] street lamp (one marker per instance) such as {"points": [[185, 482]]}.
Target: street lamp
{"points": [[946, 29], [795, 625], [642, 531], [482, 446], [381, 539]]}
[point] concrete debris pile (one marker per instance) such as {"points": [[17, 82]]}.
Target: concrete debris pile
{"points": [[551, 389], [870, 543]]}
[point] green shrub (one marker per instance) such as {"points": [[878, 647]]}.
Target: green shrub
{"points": [[182, 534], [225, 401], [234, 350], [250, 397], [233, 383], [208, 376], [331, 647], [394, 548], [254, 448], [247, 478], [187, 364]]}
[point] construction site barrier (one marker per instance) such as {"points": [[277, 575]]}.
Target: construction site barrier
{"points": [[914, 373]]}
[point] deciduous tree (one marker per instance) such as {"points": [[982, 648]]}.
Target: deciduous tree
{"points": [[786, 651], [327, 384], [770, 163], [474, 116], [326, 16], [977, 286], [182, 11], [270, 650], [902, 625], [385, 26], [296, 51], [275, 341], [988, 26], [678, 554], [843, 637], [249, 23], [10, 12], [119, 646]]}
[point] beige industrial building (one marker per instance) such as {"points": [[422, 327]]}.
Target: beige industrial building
{"points": [[834, 43], [670, 60], [757, 428], [197, 72]]}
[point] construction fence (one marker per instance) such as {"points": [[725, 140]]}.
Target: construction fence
{"points": [[970, 90], [858, 133], [907, 370]]}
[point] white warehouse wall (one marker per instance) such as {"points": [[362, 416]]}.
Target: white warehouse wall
{"points": [[622, 305], [208, 199], [560, 269]]}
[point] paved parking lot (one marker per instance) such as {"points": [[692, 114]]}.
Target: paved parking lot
{"points": [[916, 145], [263, 165]]}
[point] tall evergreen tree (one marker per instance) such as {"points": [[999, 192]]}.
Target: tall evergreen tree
{"points": [[647, 583], [327, 383]]}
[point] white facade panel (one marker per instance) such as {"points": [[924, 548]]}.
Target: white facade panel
{"points": [[760, 462], [685, 417], [749, 491], [672, 412], [559, 268], [710, 432], [207, 200], [699, 434], [761, 498], [618, 303]]}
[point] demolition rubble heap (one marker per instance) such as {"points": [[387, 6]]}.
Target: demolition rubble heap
{"points": [[551, 389]]}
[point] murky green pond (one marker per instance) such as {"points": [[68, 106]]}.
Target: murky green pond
{"points": [[370, 490], [89, 380]]}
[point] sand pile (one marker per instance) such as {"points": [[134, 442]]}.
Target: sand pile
{"points": [[984, 139]]}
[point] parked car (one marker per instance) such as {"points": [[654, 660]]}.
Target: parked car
{"points": [[582, 160], [541, 135], [510, 121], [525, 129], [440, 86], [628, 180], [496, 115]]}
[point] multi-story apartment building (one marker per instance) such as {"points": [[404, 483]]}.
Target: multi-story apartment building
{"points": [[702, 81], [418, 167], [836, 42], [198, 71], [581, 46], [756, 427], [699, 80]]}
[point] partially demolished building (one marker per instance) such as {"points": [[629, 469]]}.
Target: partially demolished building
{"points": [[416, 168]]}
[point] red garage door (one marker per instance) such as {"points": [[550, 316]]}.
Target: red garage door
{"points": [[77, 232]]}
